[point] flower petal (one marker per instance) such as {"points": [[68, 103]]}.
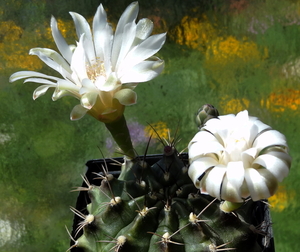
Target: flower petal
{"points": [[203, 136], [129, 85], [43, 54], [218, 128], [108, 111], [144, 29], [87, 86], [126, 96], [57, 94], [213, 182], [199, 167], [235, 174], [242, 116], [144, 50], [230, 192], [268, 138], [277, 166], [78, 64], [88, 100], [40, 80], [258, 182], [282, 154], [78, 112], [83, 27], [127, 40], [103, 36], [60, 42], [144, 71], [248, 157], [128, 16], [41, 90], [110, 84], [68, 86], [198, 149], [25, 74], [53, 55], [260, 125]]}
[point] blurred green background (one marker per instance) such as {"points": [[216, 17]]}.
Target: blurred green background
{"points": [[234, 54]]}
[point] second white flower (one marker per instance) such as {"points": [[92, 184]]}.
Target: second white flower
{"points": [[234, 157]]}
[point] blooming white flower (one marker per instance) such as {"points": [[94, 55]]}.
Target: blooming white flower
{"points": [[104, 67], [234, 157]]}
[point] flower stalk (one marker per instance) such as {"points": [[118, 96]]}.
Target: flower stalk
{"points": [[121, 135]]}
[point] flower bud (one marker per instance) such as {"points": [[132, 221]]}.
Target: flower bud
{"points": [[205, 113]]}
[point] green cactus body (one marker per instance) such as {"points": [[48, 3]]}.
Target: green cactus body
{"points": [[157, 208]]}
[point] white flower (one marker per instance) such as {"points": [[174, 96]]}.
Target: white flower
{"points": [[103, 68], [234, 157]]}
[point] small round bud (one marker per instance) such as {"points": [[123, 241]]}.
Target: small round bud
{"points": [[205, 113]]}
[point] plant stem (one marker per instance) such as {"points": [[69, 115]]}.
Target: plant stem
{"points": [[121, 135]]}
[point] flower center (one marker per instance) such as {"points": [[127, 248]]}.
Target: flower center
{"points": [[235, 147], [95, 70]]}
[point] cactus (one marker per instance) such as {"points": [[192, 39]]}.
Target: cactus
{"points": [[156, 207]]}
